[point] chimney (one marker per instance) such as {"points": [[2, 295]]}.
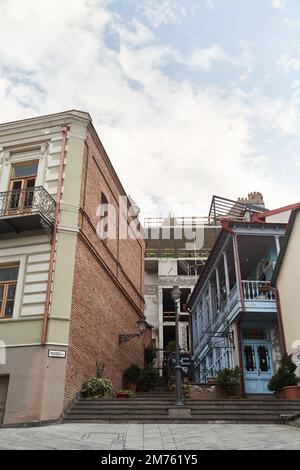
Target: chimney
{"points": [[255, 198]]}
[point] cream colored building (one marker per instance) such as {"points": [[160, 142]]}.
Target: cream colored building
{"points": [[287, 280], [54, 174]]}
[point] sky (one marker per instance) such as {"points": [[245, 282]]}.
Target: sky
{"points": [[190, 98]]}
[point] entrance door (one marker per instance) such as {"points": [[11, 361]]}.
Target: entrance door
{"points": [[257, 366], [4, 379]]}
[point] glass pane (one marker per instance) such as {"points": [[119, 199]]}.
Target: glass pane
{"points": [[14, 198], [249, 358], [263, 358], [1, 293], [11, 291], [21, 171], [9, 273], [30, 183], [16, 185], [9, 308], [28, 199]]}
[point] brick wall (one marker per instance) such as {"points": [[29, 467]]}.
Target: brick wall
{"points": [[108, 285]]}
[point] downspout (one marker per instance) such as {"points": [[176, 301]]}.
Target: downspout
{"points": [[279, 320], [239, 280], [64, 130], [191, 339]]}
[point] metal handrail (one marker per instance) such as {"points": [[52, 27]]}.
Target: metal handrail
{"points": [[27, 201]]}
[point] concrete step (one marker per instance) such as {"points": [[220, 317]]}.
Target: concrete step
{"points": [[122, 411], [154, 408], [130, 406], [234, 419], [117, 401]]}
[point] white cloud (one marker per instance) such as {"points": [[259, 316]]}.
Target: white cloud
{"points": [[173, 142], [291, 23], [206, 57], [159, 12], [278, 4], [210, 4], [290, 61], [138, 36]]}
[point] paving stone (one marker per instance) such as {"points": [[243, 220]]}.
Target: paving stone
{"points": [[150, 437]]}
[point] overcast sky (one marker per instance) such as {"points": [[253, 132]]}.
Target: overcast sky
{"points": [[190, 97]]}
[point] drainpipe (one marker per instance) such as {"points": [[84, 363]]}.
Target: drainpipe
{"points": [[279, 320], [239, 281], [64, 130]]}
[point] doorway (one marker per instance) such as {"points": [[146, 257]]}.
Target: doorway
{"points": [[4, 380], [257, 361]]}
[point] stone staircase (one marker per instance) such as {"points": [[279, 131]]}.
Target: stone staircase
{"points": [[152, 407]]}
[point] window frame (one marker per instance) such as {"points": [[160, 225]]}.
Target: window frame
{"points": [[21, 260], [7, 285]]}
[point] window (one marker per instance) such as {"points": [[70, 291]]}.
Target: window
{"points": [[8, 285], [22, 182], [103, 223], [254, 333]]}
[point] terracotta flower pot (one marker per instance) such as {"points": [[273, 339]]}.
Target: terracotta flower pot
{"points": [[279, 395], [292, 392], [121, 395]]}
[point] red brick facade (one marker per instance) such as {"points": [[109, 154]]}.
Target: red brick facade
{"points": [[108, 283]]}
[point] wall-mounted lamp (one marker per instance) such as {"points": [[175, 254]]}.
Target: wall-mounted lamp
{"points": [[142, 325]]}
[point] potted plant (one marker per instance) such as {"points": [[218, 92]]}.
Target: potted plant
{"points": [[97, 387], [126, 394], [285, 382], [148, 379], [229, 381], [131, 377]]}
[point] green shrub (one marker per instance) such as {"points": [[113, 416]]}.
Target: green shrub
{"points": [[132, 374], [285, 376], [98, 387], [148, 378], [171, 346], [229, 379]]}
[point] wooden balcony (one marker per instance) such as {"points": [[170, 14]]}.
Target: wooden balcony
{"points": [[26, 210], [258, 296]]}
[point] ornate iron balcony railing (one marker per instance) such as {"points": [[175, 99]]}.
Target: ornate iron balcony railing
{"points": [[27, 201]]}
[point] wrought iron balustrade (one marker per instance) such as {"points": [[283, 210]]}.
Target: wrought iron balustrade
{"points": [[27, 201]]}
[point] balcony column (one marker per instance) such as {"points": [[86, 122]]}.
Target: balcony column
{"points": [[218, 285], [227, 283], [211, 313], [277, 244], [238, 274]]}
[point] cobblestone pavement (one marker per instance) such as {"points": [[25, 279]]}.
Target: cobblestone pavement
{"points": [[151, 436]]}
